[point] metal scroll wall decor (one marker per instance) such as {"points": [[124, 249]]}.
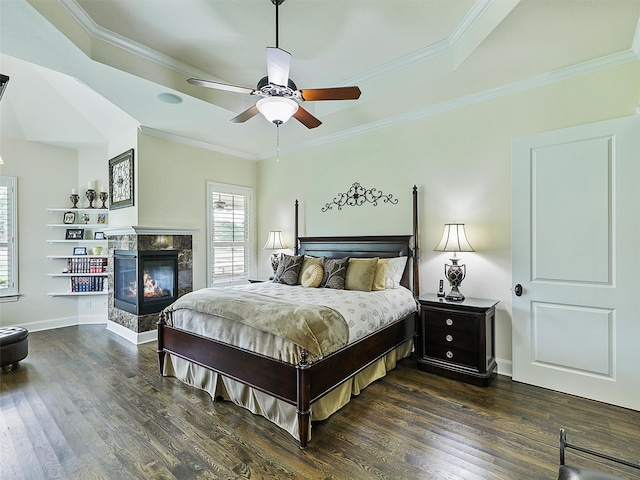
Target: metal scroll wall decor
{"points": [[358, 195]]}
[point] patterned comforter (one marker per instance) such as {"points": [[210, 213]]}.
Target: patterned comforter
{"points": [[280, 320]]}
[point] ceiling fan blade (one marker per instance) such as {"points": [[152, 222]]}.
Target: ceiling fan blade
{"points": [[278, 63], [220, 86], [306, 118], [338, 93], [246, 115]]}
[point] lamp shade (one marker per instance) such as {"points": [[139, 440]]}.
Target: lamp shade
{"points": [[454, 239], [277, 110], [274, 242]]}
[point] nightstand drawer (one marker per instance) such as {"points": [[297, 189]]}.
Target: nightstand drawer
{"points": [[456, 339], [450, 320], [452, 355]]}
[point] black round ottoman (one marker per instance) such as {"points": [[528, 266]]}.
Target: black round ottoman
{"points": [[14, 346]]}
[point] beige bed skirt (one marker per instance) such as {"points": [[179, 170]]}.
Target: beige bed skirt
{"points": [[277, 411]]}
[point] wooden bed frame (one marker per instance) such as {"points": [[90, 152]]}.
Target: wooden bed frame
{"points": [[303, 384]]}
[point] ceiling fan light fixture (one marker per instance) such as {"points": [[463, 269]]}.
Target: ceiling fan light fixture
{"points": [[277, 110]]}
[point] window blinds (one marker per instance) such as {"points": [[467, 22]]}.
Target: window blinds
{"points": [[229, 237], [8, 237]]}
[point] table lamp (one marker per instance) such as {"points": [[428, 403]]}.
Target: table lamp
{"points": [[274, 242], [454, 240]]}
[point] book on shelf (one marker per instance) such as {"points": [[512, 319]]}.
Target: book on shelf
{"points": [[87, 284], [87, 265]]}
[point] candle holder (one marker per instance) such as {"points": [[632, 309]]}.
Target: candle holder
{"points": [[91, 196], [74, 199], [103, 198]]}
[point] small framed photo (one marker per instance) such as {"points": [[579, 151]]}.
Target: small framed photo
{"points": [[69, 217], [102, 218], [74, 234], [99, 236], [79, 250]]}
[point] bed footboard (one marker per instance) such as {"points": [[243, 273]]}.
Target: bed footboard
{"points": [[298, 385]]}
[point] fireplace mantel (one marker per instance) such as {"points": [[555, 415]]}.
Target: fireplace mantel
{"points": [[138, 230]]}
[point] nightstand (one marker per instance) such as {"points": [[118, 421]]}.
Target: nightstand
{"points": [[456, 339]]}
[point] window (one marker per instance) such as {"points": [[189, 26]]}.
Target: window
{"points": [[229, 220], [8, 239]]}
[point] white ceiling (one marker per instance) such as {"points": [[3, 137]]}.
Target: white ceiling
{"points": [[410, 58]]}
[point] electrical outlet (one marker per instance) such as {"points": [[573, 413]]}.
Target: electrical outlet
{"points": [[87, 304]]}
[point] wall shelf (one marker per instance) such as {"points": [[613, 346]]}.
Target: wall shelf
{"points": [[78, 283], [79, 210], [76, 294]]}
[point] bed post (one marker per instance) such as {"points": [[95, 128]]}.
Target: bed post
{"points": [[416, 247], [303, 406], [295, 230], [160, 349]]}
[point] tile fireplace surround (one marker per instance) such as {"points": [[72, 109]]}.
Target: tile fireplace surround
{"points": [[142, 328]]}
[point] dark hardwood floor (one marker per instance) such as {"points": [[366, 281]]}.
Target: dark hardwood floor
{"points": [[87, 404]]}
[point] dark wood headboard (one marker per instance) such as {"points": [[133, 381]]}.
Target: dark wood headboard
{"points": [[383, 246]]}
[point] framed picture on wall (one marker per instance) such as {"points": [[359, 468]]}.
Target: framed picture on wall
{"points": [[121, 180]]}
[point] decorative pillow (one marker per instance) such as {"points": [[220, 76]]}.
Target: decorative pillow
{"points": [[308, 261], [312, 276], [288, 269], [378, 278], [335, 271], [395, 269], [360, 274]]}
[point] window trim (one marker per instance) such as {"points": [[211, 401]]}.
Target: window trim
{"points": [[233, 190], [11, 294]]}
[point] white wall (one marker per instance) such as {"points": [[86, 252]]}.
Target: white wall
{"points": [[172, 180], [461, 162], [46, 175]]}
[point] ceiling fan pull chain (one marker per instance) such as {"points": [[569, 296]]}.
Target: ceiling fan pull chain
{"points": [[277, 142]]}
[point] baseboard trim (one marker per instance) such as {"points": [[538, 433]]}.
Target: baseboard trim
{"points": [[505, 367], [60, 323], [133, 337]]}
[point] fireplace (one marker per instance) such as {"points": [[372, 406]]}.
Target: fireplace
{"points": [[145, 282]]}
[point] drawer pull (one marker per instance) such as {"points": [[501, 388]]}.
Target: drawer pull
{"points": [[449, 338], [449, 322], [449, 354]]}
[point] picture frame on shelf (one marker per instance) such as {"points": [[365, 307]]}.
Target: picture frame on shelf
{"points": [[69, 218], [102, 218], [99, 236], [74, 234], [79, 250], [121, 180]]}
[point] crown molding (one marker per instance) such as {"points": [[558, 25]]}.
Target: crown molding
{"points": [[152, 132], [126, 44]]}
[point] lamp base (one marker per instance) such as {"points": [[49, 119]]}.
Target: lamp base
{"points": [[275, 262], [454, 295]]}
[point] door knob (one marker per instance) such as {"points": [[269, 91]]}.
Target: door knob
{"points": [[518, 290]]}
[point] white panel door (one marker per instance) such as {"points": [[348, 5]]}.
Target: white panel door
{"points": [[576, 251]]}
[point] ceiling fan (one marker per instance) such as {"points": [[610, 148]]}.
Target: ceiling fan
{"points": [[280, 96]]}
